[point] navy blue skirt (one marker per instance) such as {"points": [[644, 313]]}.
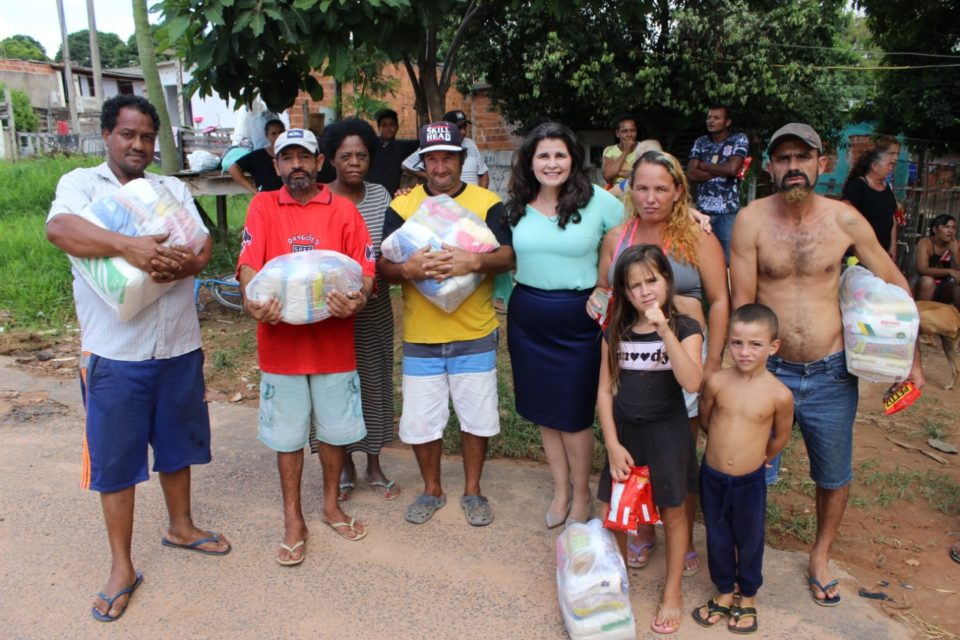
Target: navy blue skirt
{"points": [[555, 355]]}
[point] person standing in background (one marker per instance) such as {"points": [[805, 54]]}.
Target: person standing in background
{"points": [[350, 146], [867, 190], [385, 165], [259, 163], [715, 161], [618, 158]]}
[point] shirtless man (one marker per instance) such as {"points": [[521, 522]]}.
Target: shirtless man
{"points": [[786, 254]]}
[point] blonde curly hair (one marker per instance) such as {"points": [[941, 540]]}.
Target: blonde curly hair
{"points": [[679, 236]]}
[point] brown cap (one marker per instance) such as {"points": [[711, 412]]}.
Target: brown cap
{"points": [[803, 132]]}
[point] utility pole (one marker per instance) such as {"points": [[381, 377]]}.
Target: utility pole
{"points": [[68, 67], [95, 54]]}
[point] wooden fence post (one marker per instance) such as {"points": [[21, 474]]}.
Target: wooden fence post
{"points": [[8, 103]]}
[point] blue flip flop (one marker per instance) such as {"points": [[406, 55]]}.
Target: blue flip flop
{"points": [[106, 617], [195, 545], [826, 601]]}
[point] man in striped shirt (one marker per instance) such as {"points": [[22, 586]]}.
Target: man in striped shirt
{"points": [[142, 378]]}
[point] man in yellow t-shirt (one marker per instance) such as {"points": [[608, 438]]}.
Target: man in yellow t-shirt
{"points": [[449, 355]]}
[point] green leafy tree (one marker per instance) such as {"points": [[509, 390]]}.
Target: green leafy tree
{"points": [[366, 83], [24, 116], [156, 38], [667, 62], [244, 49], [21, 47], [114, 52], [918, 93]]}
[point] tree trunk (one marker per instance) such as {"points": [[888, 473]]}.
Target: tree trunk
{"points": [[170, 159]]}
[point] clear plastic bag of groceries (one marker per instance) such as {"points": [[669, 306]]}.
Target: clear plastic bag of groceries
{"points": [[139, 208], [880, 325], [592, 583], [302, 280], [441, 220]]}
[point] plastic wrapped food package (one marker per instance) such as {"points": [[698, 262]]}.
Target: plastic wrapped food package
{"points": [[441, 220], [302, 280], [592, 584], [139, 208], [880, 324]]}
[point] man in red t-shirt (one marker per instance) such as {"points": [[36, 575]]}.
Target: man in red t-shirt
{"points": [[308, 372]]}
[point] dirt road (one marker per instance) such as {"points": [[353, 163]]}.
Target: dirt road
{"points": [[444, 579]]}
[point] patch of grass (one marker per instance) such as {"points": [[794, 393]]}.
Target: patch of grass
{"points": [[224, 360], [803, 527], [941, 491], [36, 288], [935, 429]]}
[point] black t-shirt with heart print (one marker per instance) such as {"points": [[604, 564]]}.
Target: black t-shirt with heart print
{"points": [[648, 390]]}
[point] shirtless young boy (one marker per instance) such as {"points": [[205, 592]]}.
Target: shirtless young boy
{"points": [[738, 408]]}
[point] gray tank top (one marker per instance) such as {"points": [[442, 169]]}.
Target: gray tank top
{"points": [[686, 276]]}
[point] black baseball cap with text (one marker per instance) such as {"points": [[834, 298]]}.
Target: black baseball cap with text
{"points": [[440, 136]]}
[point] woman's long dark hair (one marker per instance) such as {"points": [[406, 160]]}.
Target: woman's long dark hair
{"points": [[523, 188], [623, 314], [862, 166]]}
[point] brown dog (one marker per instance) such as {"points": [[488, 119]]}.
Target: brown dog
{"points": [[943, 320]]}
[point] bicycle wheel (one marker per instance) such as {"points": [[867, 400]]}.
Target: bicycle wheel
{"points": [[226, 291]]}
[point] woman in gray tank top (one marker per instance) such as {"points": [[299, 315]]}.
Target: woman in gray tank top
{"points": [[659, 212]]}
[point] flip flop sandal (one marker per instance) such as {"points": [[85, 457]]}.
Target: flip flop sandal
{"points": [[638, 556], [690, 556], [739, 613], [195, 545], [665, 629], [713, 609], [357, 535], [423, 508], [293, 561], [477, 510], [346, 489], [388, 490], [106, 617], [826, 601]]}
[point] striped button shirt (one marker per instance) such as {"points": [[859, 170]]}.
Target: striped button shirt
{"points": [[166, 328]]}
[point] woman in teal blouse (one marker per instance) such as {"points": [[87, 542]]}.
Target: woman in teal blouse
{"points": [[559, 220]]}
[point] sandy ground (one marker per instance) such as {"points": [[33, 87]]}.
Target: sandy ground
{"points": [[444, 579]]}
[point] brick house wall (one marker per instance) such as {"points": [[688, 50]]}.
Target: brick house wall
{"points": [[492, 135]]}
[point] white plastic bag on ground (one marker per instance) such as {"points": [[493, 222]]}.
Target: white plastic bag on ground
{"points": [[441, 220], [139, 208], [592, 583], [880, 324], [302, 280], [612, 624]]}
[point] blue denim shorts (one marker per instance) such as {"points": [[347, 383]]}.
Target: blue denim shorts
{"points": [[825, 399], [289, 404]]}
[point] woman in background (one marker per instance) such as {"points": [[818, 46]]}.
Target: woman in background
{"points": [[867, 190], [349, 146]]}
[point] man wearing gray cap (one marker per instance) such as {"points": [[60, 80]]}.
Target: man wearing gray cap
{"points": [[786, 253]]}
